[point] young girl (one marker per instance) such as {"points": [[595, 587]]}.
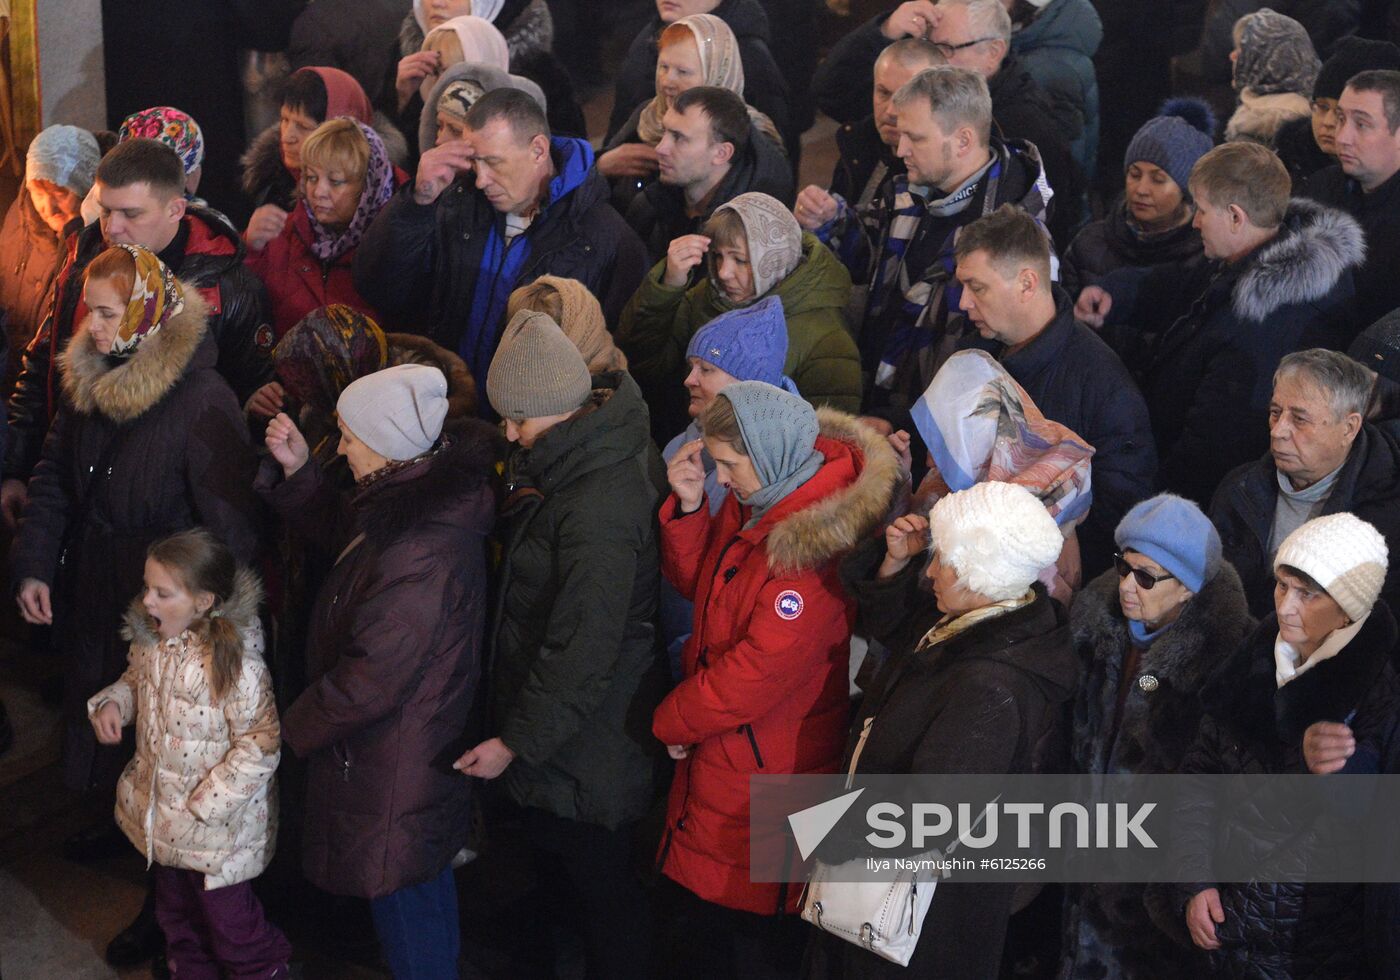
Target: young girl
{"points": [[198, 798]]}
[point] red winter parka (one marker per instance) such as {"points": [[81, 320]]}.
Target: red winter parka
{"points": [[765, 688], [298, 281]]}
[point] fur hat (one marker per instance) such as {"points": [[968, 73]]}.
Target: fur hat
{"points": [[1173, 532], [64, 155], [1351, 56], [997, 537], [1344, 555], [537, 371], [397, 412], [1175, 139]]}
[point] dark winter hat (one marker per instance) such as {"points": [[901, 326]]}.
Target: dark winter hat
{"points": [[1378, 346], [1351, 56], [751, 343], [1174, 140]]}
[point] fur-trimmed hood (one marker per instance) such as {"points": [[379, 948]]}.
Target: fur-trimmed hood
{"points": [[1303, 264], [409, 348], [125, 389], [262, 161], [241, 609], [836, 523]]}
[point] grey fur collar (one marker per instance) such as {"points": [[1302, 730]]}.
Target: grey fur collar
{"points": [[134, 385], [1303, 264], [1190, 651], [241, 609], [837, 523]]}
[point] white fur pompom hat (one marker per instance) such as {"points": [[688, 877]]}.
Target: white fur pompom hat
{"points": [[997, 537], [1344, 555]]}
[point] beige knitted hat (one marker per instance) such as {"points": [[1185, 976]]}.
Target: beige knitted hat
{"points": [[537, 371], [1344, 555]]}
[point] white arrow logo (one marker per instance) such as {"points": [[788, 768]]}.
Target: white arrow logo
{"points": [[810, 826]]}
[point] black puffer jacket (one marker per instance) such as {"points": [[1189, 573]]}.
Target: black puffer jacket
{"points": [[141, 447], [576, 663], [1111, 243], [1106, 927], [1218, 332], [211, 259], [1368, 486], [657, 212], [1254, 727], [1377, 285], [764, 86], [419, 263]]}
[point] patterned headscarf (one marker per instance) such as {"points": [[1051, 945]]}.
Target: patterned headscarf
{"points": [[156, 296], [170, 126], [318, 358], [1276, 55], [378, 188], [980, 425], [774, 239], [720, 66]]}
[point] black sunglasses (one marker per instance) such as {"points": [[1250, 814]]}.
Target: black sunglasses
{"points": [[1145, 579]]}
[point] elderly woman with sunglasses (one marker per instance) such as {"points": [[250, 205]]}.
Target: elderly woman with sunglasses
{"points": [[1149, 631]]}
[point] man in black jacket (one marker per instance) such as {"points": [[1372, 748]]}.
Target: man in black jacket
{"points": [[446, 251], [867, 147], [709, 154], [1364, 183], [1323, 459], [140, 188], [976, 35], [1073, 377]]}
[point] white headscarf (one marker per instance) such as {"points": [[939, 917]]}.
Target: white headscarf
{"points": [[481, 42], [485, 9]]}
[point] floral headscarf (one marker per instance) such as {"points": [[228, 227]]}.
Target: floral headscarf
{"points": [[1276, 55], [378, 187], [156, 296], [170, 126], [720, 66], [980, 425]]}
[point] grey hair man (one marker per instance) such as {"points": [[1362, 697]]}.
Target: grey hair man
{"points": [[1324, 458]]}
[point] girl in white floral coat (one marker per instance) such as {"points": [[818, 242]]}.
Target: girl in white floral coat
{"points": [[198, 799]]}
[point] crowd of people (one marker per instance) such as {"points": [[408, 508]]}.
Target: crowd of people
{"points": [[433, 468]]}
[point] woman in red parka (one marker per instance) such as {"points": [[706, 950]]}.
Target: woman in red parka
{"points": [[765, 686], [346, 177]]}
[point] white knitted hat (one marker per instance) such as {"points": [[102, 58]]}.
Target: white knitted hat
{"points": [[398, 412], [1344, 555], [997, 537]]}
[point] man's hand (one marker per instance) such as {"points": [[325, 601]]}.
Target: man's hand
{"points": [[107, 723], [905, 537], [266, 224], [628, 160], [814, 207], [686, 474], [488, 760], [914, 19], [684, 254], [1093, 306], [266, 401], [1203, 914], [287, 444], [34, 604], [439, 167], [1327, 745], [14, 494], [412, 70]]}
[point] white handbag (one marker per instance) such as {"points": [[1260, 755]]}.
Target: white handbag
{"points": [[884, 917]]}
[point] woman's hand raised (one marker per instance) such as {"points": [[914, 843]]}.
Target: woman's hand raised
{"points": [[904, 538], [686, 474], [287, 444]]}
